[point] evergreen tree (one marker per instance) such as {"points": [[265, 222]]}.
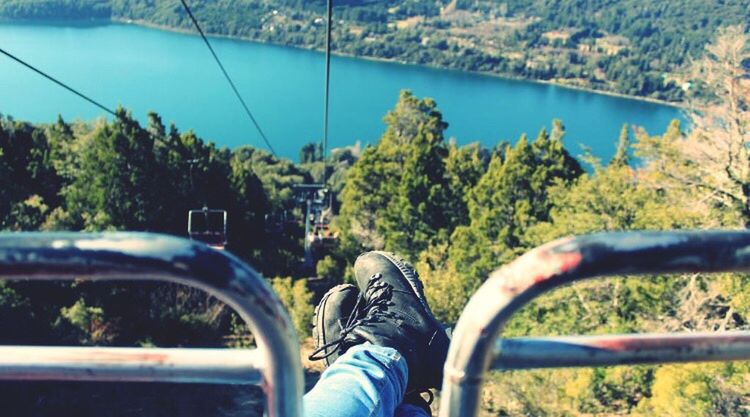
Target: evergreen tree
{"points": [[552, 164], [498, 206], [416, 215], [622, 158], [5, 186], [308, 153], [115, 186], [464, 166], [392, 197], [510, 197], [28, 179]]}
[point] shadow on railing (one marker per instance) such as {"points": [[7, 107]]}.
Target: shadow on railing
{"points": [[475, 347], [274, 365]]}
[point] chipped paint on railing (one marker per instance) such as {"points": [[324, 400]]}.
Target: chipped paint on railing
{"points": [[473, 348], [143, 256], [559, 352]]}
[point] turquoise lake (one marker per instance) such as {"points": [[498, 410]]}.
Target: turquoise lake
{"points": [[146, 69]]}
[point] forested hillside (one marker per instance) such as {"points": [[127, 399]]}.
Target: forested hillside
{"points": [[634, 47], [457, 211]]}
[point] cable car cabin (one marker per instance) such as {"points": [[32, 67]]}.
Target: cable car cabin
{"points": [[321, 236], [208, 226]]}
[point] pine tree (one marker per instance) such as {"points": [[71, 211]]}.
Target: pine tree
{"points": [[392, 197], [464, 166], [416, 215], [622, 158], [115, 186], [510, 197]]}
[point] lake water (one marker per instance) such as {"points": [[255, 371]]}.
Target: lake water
{"points": [[145, 69]]}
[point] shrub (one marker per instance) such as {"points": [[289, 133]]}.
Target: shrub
{"points": [[298, 301]]}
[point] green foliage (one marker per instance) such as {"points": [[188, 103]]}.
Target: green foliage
{"points": [[112, 175], [297, 299], [509, 198], [330, 268], [415, 215], [464, 166], [28, 215], [311, 152], [15, 309], [29, 184], [394, 195], [698, 390], [55, 10], [116, 186], [460, 212], [240, 336], [446, 289], [89, 322], [623, 147]]}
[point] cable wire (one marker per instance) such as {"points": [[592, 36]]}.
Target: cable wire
{"points": [[226, 75], [327, 91], [60, 83]]}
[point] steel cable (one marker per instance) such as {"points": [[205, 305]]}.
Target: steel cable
{"points": [[229, 79]]}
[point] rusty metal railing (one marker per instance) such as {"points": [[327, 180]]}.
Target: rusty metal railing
{"points": [[274, 365], [475, 347]]}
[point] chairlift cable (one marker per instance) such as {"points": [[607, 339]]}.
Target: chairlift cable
{"points": [[327, 90], [70, 89], [226, 75], [60, 83]]}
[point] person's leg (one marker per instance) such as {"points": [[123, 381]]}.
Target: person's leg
{"points": [[367, 381]]}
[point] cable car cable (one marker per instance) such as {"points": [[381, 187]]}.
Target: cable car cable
{"points": [[226, 75], [60, 83], [74, 91], [327, 91]]}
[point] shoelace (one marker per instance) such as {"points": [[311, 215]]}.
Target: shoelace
{"points": [[377, 297]]}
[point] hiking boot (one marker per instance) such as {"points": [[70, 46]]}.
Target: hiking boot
{"points": [[396, 315], [334, 316], [334, 313]]}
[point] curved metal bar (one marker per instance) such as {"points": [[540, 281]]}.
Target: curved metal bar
{"points": [[561, 262], [143, 256], [563, 352], [174, 365]]}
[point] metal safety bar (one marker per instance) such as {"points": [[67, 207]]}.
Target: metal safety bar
{"points": [[208, 366], [475, 348], [560, 352], [274, 365]]}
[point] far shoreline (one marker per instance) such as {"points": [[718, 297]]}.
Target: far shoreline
{"points": [[150, 25]]}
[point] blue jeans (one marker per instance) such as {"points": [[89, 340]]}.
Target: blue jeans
{"points": [[367, 381]]}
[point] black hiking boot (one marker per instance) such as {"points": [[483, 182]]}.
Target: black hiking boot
{"points": [[334, 317], [334, 313], [396, 315]]}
